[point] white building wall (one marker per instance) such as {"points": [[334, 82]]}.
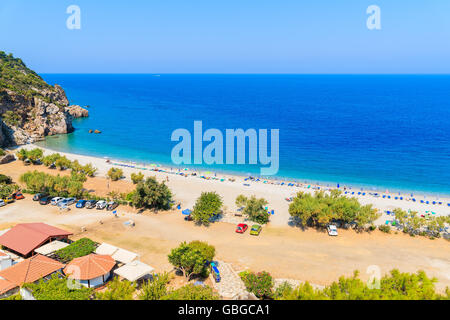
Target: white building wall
{"points": [[5, 262]]}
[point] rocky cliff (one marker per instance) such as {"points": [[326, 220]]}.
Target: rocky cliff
{"points": [[30, 109]]}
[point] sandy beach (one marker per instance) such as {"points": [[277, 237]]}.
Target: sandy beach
{"points": [[188, 188]]}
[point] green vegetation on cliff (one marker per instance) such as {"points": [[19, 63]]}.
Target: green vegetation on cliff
{"points": [[15, 75]]}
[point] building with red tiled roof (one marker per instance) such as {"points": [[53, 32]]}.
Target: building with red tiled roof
{"points": [[28, 271], [24, 238], [92, 270]]}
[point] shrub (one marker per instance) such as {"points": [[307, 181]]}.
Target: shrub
{"points": [[207, 206], [115, 174], [254, 208], [79, 248], [384, 228], [137, 177], [156, 288], [5, 179], [57, 289], [152, 195], [260, 284], [191, 258], [117, 290], [192, 292]]}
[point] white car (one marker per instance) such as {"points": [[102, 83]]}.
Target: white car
{"points": [[2, 203], [56, 200], [332, 230], [101, 205], [67, 202]]}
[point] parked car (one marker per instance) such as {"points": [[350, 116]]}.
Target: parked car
{"points": [[45, 201], [188, 218], [56, 200], [255, 230], [8, 200], [91, 204], [112, 205], [18, 195], [52, 166], [101, 205], [67, 202], [39, 196], [332, 230], [81, 203], [2, 203], [241, 228]]}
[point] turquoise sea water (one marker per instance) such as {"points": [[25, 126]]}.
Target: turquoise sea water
{"points": [[380, 131]]}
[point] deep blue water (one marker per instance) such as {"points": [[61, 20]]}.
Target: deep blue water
{"points": [[388, 131]]}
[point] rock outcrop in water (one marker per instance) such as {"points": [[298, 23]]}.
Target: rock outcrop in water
{"points": [[77, 112], [31, 109]]}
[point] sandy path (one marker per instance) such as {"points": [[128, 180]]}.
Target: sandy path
{"points": [[286, 252]]}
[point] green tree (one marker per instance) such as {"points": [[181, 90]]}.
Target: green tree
{"points": [[50, 159], [63, 163], [393, 286], [254, 209], [22, 154], [115, 174], [137, 177], [192, 292], [117, 290], [156, 288], [207, 206], [191, 259], [89, 170], [35, 154], [152, 195]]}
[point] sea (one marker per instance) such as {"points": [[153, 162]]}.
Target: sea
{"points": [[378, 132]]}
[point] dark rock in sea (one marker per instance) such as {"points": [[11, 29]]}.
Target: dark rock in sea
{"points": [[90, 131]]}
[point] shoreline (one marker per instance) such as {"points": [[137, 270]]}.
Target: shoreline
{"points": [[393, 191], [187, 188]]}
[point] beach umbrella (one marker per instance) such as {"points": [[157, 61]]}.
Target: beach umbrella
{"points": [[186, 212]]}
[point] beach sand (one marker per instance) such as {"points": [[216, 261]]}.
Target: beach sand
{"points": [[188, 189]]}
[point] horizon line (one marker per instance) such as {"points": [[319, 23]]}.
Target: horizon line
{"points": [[249, 73]]}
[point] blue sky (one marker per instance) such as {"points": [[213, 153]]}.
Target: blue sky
{"points": [[228, 36]]}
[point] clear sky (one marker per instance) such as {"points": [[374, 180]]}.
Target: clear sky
{"points": [[228, 36]]}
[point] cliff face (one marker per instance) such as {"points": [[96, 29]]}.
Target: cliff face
{"points": [[30, 109]]}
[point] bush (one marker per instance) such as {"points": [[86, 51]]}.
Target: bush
{"points": [[117, 290], [254, 209], [54, 185], [260, 284], [57, 289], [137, 177], [79, 248], [155, 289], [206, 207], [384, 228], [2, 152], [192, 292], [320, 209], [5, 179], [115, 174], [191, 259], [152, 195]]}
